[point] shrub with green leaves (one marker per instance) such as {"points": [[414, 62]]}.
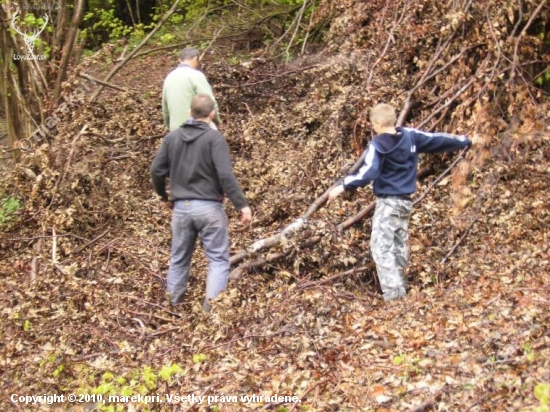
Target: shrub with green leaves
{"points": [[8, 206]]}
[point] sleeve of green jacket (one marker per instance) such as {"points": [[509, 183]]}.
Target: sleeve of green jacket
{"points": [[202, 86], [165, 112]]}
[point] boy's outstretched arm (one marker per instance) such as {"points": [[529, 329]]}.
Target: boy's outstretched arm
{"points": [[438, 142], [367, 173]]}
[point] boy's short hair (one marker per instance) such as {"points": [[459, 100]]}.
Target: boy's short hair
{"points": [[383, 114], [201, 106]]}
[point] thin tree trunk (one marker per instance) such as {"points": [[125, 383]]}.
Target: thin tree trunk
{"points": [[68, 48]]}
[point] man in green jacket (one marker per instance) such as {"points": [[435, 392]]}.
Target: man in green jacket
{"points": [[180, 86]]}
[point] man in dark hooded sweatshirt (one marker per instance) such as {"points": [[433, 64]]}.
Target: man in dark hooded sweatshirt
{"points": [[197, 160]]}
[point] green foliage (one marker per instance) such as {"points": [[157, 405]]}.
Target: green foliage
{"points": [[135, 382], [8, 206], [103, 25], [542, 393], [199, 357], [166, 372], [543, 78], [398, 360]]}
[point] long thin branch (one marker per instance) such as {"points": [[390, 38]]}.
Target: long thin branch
{"points": [[523, 31], [445, 172], [397, 23], [353, 271], [273, 240], [106, 84], [428, 73]]}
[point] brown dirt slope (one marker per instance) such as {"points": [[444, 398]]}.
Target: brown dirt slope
{"points": [[82, 267]]}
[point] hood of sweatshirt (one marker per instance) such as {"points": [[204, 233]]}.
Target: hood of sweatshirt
{"points": [[191, 130], [396, 147]]}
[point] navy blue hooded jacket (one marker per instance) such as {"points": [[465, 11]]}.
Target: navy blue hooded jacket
{"points": [[391, 159]]}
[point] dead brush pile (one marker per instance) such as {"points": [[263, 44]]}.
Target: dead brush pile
{"points": [[82, 268]]}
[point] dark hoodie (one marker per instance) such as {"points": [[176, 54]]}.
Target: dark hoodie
{"points": [[197, 160], [391, 160]]}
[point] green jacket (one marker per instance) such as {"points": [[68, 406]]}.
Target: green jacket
{"points": [[180, 86]]}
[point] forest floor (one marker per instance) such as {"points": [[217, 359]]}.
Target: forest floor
{"points": [[82, 268]]}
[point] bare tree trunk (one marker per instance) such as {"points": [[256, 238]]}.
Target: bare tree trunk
{"points": [[8, 98], [68, 48], [59, 36]]}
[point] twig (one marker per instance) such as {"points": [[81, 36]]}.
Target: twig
{"points": [[150, 315], [449, 102], [54, 247], [306, 392], [162, 332], [458, 242], [216, 35], [306, 285], [18, 239], [67, 164], [396, 23], [91, 241], [481, 399], [447, 170], [150, 303], [103, 83], [523, 31], [201, 396], [298, 21]]}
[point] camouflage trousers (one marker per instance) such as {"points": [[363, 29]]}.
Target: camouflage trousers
{"points": [[388, 243]]}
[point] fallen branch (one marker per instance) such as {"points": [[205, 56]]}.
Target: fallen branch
{"points": [[353, 271], [150, 303], [91, 242], [441, 176], [292, 229], [294, 226], [103, 83]]}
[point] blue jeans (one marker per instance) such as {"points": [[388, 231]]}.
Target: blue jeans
{"points": [[206, 219]]}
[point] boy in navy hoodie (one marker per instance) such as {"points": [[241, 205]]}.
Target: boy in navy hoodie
{"points": [[391, 162]]}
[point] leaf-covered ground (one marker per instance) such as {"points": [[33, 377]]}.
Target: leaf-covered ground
{"points": [[82, 267]]}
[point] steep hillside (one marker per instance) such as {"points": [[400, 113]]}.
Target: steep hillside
{"points": [[82, 267]]}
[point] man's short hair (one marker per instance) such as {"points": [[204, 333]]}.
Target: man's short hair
{"points": [[189, 53], [201, 106], [383, 114]]}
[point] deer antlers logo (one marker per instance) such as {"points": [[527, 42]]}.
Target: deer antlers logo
{"points": [[28, 38]]}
